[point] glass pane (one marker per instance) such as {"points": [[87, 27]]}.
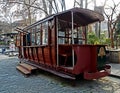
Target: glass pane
{"points": [[33, 36], [61, 39], [18, 41], [38, 35], [45, 33], [38, 38], [28, 39]]}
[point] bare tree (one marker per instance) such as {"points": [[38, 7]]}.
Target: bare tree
{"points": [[7, 15], [63, 5], [29, 8], [110, 13], [82, 3], [44, 6], [78, 3]]}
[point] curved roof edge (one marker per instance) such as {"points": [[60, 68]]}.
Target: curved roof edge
{"points": [[88, 12], [88, 15]]}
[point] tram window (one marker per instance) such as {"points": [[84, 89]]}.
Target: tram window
{"points": [[38, 35], [61, 39], [64, 32], [64, 37], [18, 40], [24, 40], [28, 39], [75, 36], [33, 36], [45, 33], [38, 38], [78, 36]]}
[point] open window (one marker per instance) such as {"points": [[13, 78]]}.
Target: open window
{"points": [[38, 35], [33, 36], [28, 39], [18, 40], [65, 33], [45, 33]]}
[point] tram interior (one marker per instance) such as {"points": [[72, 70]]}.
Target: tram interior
{"points": [[66, 38]]}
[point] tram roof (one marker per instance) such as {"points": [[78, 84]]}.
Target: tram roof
{"points": [[80, 16]]}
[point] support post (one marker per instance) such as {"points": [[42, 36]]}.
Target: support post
{"points": [[73, 61], [57, 41]]}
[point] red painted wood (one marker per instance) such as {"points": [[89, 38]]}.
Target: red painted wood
{"points": [[20, 52], [65, 51], [25, 55], [53, 54], [40, 55], [30, 54], [86, 59], [47, 56], [35, 58]]}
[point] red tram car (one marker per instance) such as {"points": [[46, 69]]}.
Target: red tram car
{"points": [[58, 44]]}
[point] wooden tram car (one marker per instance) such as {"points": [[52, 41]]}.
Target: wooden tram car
{"points": [[58, 44]]}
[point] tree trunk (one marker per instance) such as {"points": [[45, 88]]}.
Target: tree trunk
{"points": [[44, 6], [112, 39], [29, 12], [50, 7], [81, 3], [29, 16], [108, 29], [64, 5], [86, 4]]}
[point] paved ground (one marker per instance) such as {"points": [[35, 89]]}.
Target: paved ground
{"points": [[115, 69], [12, 81]]}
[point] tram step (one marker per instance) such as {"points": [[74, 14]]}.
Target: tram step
{"points": [[28, 67], [23, 70]]}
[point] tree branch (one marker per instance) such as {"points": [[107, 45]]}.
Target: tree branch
{"points": [[31, 6]]}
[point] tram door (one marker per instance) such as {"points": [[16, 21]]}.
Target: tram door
{"points": [[66, 53], [64, 48]]}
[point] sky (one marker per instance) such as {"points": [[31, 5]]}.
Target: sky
{"points": [[109, 3], [70, 3]]}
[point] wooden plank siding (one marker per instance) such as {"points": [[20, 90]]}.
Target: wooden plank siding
{"points": [[40, 55], [25, 52], [35, 55], [20, 52], [53, 54], [30, 54], [47, 56], [53, 45]]}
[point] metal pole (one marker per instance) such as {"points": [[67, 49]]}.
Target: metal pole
{"points": [[57, 40], [72, 39], [86, 29], [99, 29]]}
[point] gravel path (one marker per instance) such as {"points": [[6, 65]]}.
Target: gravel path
{"points": [[12, 81]]}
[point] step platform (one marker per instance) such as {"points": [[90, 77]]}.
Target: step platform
{"points": [[26, 68]]}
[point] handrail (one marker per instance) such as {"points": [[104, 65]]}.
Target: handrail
{"points": [[21, 30], [36, 46]]}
